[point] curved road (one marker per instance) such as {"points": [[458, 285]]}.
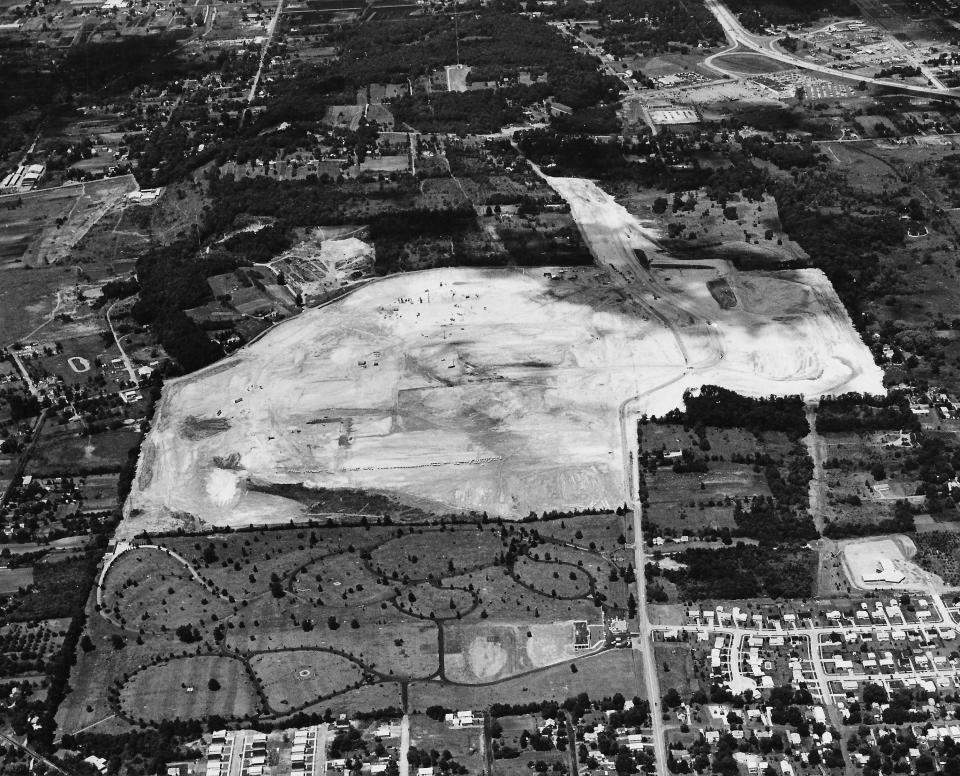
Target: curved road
{"points": [[736, 33], [122, 549]]}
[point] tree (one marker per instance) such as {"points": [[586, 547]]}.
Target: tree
{"points": [[874, 693], [213, 685], [672, 698], [188, 633]]}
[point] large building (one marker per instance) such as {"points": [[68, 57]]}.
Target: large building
{"points": [[24, 178], [883, 572]]}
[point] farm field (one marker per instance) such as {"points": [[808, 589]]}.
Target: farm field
{"points": [[43, 225], [62, 449], [939, 553], [13, 579], [28, 297], [315, 616]]}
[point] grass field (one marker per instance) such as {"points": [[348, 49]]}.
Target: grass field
{"points": [[689, 502], [428, 554], [605, 674], [150, 591], [316, 610], [484, 652], [750, 64], [61, 450], [553, 578], [374, 696], [32, 233], [464, 745], [502, 597], [180, 688], [295, 679], [12, 580], [27, 297], [434, 601], [676, 669]]}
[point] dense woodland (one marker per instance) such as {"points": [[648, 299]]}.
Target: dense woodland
{"points": [[499, 45], [723, 408], [741, 571], [649, 25], [856, 412], [757, 15]]}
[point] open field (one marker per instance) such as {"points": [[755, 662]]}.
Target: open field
{"points": [[465, 745], [13, 579], [28, 297], [61, 449], [484, 652], [599, 675], [748, 63], [181, 688], [297, 678], [493, 391], [40, 227], [322, 616], [460, 389]]}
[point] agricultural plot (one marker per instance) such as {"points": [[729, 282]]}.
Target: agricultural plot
{"points": [[25, 647], [314, 616], [939, 553], [62, 449], [28, 297], [12, 580], [41, 227]]}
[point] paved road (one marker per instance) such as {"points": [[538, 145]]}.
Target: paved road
{"points": [[320, 764], [271, 28], [404, 745], [737, 34], [122, 548], [645, 644], [127, 364], [23, 747]]}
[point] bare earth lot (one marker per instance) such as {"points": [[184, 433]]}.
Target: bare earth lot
{"points": [[489, 390]]}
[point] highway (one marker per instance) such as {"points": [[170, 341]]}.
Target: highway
{"points": [[736, 34]]}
